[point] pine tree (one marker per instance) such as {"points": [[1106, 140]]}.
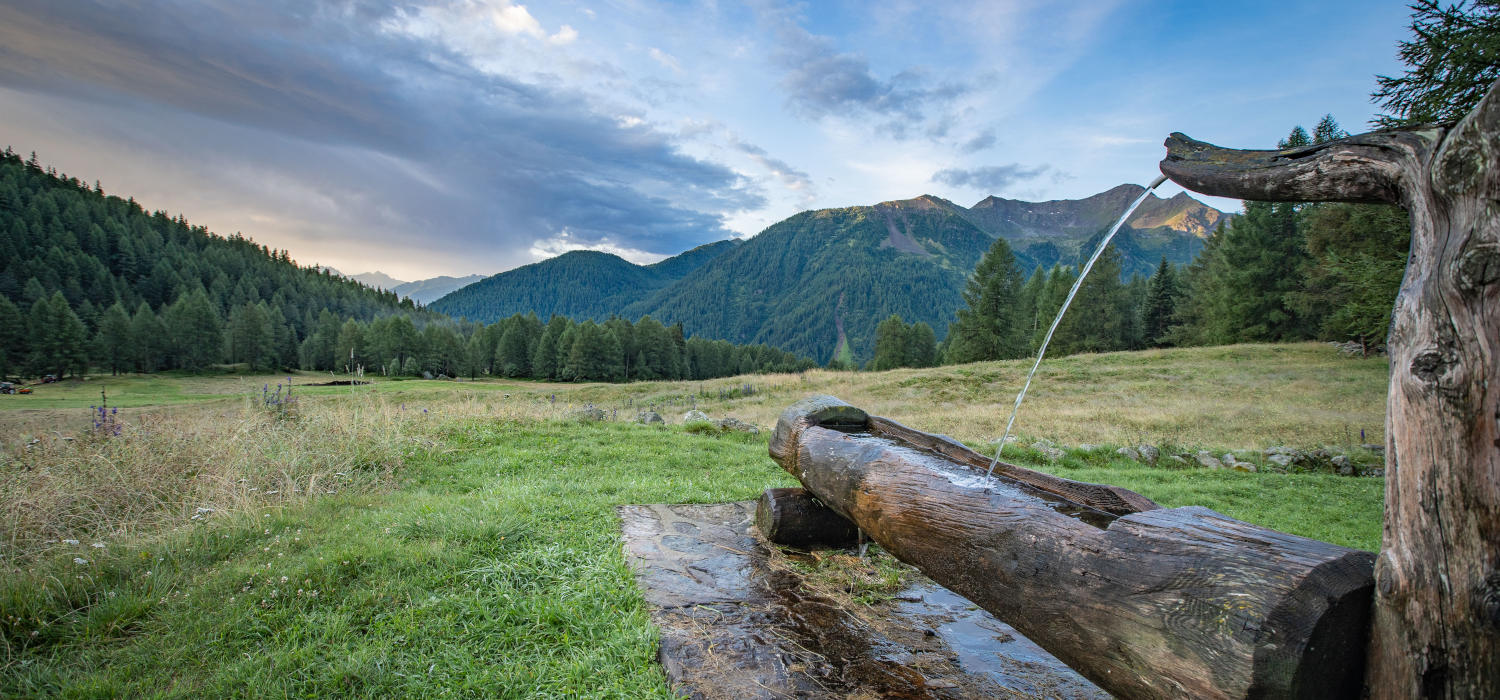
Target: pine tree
{"points": [[1098, 320], [511, 357], [544, 363], [194, 330], [594, 354], [921, 346], [1452, 61], [148, 337], [13, 347], [1163, 291], [987, 327], [890, 345], [250, 338], [113, 339], [349, 349]]}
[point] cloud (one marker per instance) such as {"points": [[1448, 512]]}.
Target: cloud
{"points": [[822, 81], [794, 179], [993, 178], [984, 140], [564, 242], [337, 118]]}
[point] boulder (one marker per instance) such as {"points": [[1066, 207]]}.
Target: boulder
{"points": [[696, 416], [589, 413], [1129, 452], [1051, 453], [1207, 460], [1243, 467], [1281, 460], [1149, 454], [648, 418], [737, 425]]}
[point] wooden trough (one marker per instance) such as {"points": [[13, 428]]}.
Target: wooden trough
{"points": [[1145, 601]]}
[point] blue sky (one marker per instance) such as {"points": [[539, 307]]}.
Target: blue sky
{"points": [[472, 136]]}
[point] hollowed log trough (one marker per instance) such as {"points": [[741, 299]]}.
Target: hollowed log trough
{"points": [[1145, 601]]}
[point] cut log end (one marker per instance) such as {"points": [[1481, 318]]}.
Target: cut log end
{"points": [[793, 517]]}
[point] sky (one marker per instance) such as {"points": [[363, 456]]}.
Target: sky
{"points": [[455, 137]]}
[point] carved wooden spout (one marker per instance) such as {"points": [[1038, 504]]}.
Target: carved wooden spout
{"points": [[1436, 623]]}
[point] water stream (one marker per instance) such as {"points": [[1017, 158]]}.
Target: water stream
{"points": [[1084, 273]]}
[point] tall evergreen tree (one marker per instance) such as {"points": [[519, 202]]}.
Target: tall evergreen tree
{"points": [[594, 355], [1451, 62], [1163, 291], [921, 346], [987, 327], [890, 344], [148, 339], [1099, 319], [13, 346], [113, 339], [194, 331]]}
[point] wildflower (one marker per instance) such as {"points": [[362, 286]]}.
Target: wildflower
{"points": [[283, 579]]}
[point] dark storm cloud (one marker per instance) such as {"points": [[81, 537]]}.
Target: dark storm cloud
{"points": [[990, 177], [411, 131]]}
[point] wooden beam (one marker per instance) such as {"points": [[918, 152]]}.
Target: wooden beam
{"points": [[1151, 603]]}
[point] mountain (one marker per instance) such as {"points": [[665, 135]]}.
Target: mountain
{"points": [[430, 290], [821, 280], [1066, 230], [580, 284], [378, 280]]}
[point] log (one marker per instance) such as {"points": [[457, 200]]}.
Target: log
{"points": [[1436, 620], [796, 518], [1146, 602]]}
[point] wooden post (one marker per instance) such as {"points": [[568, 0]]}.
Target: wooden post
{"points": [[1147, 602], [1436, 622]]}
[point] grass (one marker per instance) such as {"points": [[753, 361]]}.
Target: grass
{"points": [[471, 547]]}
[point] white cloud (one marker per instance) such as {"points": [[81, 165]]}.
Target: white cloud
{"points": [[665, 59], [563, 242]]}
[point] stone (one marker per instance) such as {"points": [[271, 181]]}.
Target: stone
{"points": [[1243, 467], [1229, 459], [1281, 460], [1051, 453], [737, 425], [648, 418], [1282, 450], [1178, 460], [1207, 460], [1088, 447], [1149, 454], [696, 416], [1346, 470], [1374, 448], [1129, 452], [426, 374], [589, 413], [1340, 461]]}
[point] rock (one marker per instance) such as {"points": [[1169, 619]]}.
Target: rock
{"points": [[1051, 453], [1129, 452], [1374, 448], [1346, 470], [1229, 459], [589, 413], [1043, 442], [1088, 447], [1243, 467], [1178, 460], [648, 417], [1280, 450], [426, 374], [1149, 454], [737, 425], [1281, 460], [1373, 472], [1340, 461], [696, 416], [1207, 460]]}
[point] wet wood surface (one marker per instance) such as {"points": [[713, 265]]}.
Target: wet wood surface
{"points": [[1155, 602]]}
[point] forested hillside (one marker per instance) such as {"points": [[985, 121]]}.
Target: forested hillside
{"points": [[582, 284], [94, 281]]}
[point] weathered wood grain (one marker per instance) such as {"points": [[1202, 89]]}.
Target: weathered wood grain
{"points": [[1436, 628], [796, 518], [1180, 602]]}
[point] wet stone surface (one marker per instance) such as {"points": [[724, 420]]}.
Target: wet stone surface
{"points": [[734, 627]]}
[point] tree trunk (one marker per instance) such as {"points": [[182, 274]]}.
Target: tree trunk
{"points": [[796, 518], [1436, 623], [1145, 601]]}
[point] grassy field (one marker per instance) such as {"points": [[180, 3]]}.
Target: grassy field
{"points": [[421, 538]]}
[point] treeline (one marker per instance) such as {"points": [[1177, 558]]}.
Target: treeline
{"points": [[93, 281], [1280, 272]]}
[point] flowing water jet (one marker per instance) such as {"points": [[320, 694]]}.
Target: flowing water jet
{"points": [[1042, 351]]}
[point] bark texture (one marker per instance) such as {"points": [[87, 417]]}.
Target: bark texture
{"points": [[796, 518], [1146, 602], [1436, 621]]}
